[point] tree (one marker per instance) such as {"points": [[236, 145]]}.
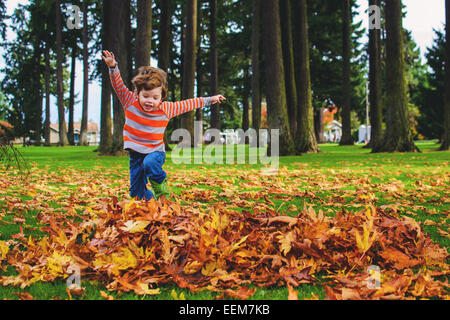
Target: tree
{"points": [[121, 46], [326, 66], [215, 110], [275, 80], [63, 140], [446, 136], [245, 100], [189, 62], [305, 138], [375, 83], [105, 112], [165, 38], [256, 74], [70, 133], [144, 32], [164, 35], [288, 59], [84, 116], [398, 136], [430, 93], [3, 18], [47, 92], [346, 138]]}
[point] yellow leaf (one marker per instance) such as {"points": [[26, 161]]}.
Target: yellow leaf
{"points": [[192, 267], [106, 296], [236, 245], [128, 206], [135, 226], [175, 296], [121, 260], [30, 241], [209, 268], [285, 242], [4, 249], [56, 262], [364, 241], [142, 289], [218, 222]]}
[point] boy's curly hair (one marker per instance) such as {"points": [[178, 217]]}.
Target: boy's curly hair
{"points": [[149, 78]]}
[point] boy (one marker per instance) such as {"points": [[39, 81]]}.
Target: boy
{"points": [[146, 118]]}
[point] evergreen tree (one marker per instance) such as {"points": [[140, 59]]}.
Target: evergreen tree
{"points": [[305, 138], [398, 136], [446, 136], [189, 59], [430, 92], [275, 80]]}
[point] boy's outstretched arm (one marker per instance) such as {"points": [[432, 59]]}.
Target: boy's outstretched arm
{"points": [[173, 109], [126, 97]]}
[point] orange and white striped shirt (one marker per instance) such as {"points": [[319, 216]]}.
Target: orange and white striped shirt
{"points": [[143, 131]]}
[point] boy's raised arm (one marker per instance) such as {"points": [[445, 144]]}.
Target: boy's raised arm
{"points": [[173, 109], [125, 96]]}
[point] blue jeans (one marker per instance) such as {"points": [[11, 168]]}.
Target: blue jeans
{"points": [[142, 168]]}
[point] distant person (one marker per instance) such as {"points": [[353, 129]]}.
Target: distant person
{"points": [[146, 119]]}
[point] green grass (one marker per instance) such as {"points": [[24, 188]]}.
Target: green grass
{"points": [[332, 177]]}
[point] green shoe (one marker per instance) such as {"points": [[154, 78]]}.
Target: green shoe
{"points": [[160, 189]]}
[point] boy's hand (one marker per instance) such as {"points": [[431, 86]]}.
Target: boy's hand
{"points": [[217, 99], [109, 59]]}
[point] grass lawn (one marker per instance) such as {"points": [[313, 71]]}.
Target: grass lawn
{"points": [[405, 184]]}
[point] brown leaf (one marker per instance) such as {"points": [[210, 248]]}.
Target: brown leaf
{"points": [[350, 294], [292, 294], [242, 293], [106, 296], [24, 296]]}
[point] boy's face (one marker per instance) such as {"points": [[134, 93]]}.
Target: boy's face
{"points": [[150, 99]]}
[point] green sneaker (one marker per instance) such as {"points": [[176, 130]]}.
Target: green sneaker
{"points": [[160, 189]]}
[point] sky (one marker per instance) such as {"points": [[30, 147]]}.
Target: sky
{"points": [[421, 18]]}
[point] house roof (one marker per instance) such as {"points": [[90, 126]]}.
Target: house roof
{"points": [[92, 127]]}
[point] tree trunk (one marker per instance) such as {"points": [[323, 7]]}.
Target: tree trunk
{"points": [[215, 110], [245, 100], [144, 32], [165, 38], [346, 138], [275, 86], [105, 113], [305, 140], [198, 140], [189, 59], [398, 136], [446, 137], [288, 59], [47, 95], [256, 82], [84, 116], [38, 94], [121, 30], [319, 125], [63, 141], [72, 95], [375, 84]]}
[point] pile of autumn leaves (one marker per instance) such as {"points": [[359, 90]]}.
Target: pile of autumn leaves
{"points": [[135, 246]]}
